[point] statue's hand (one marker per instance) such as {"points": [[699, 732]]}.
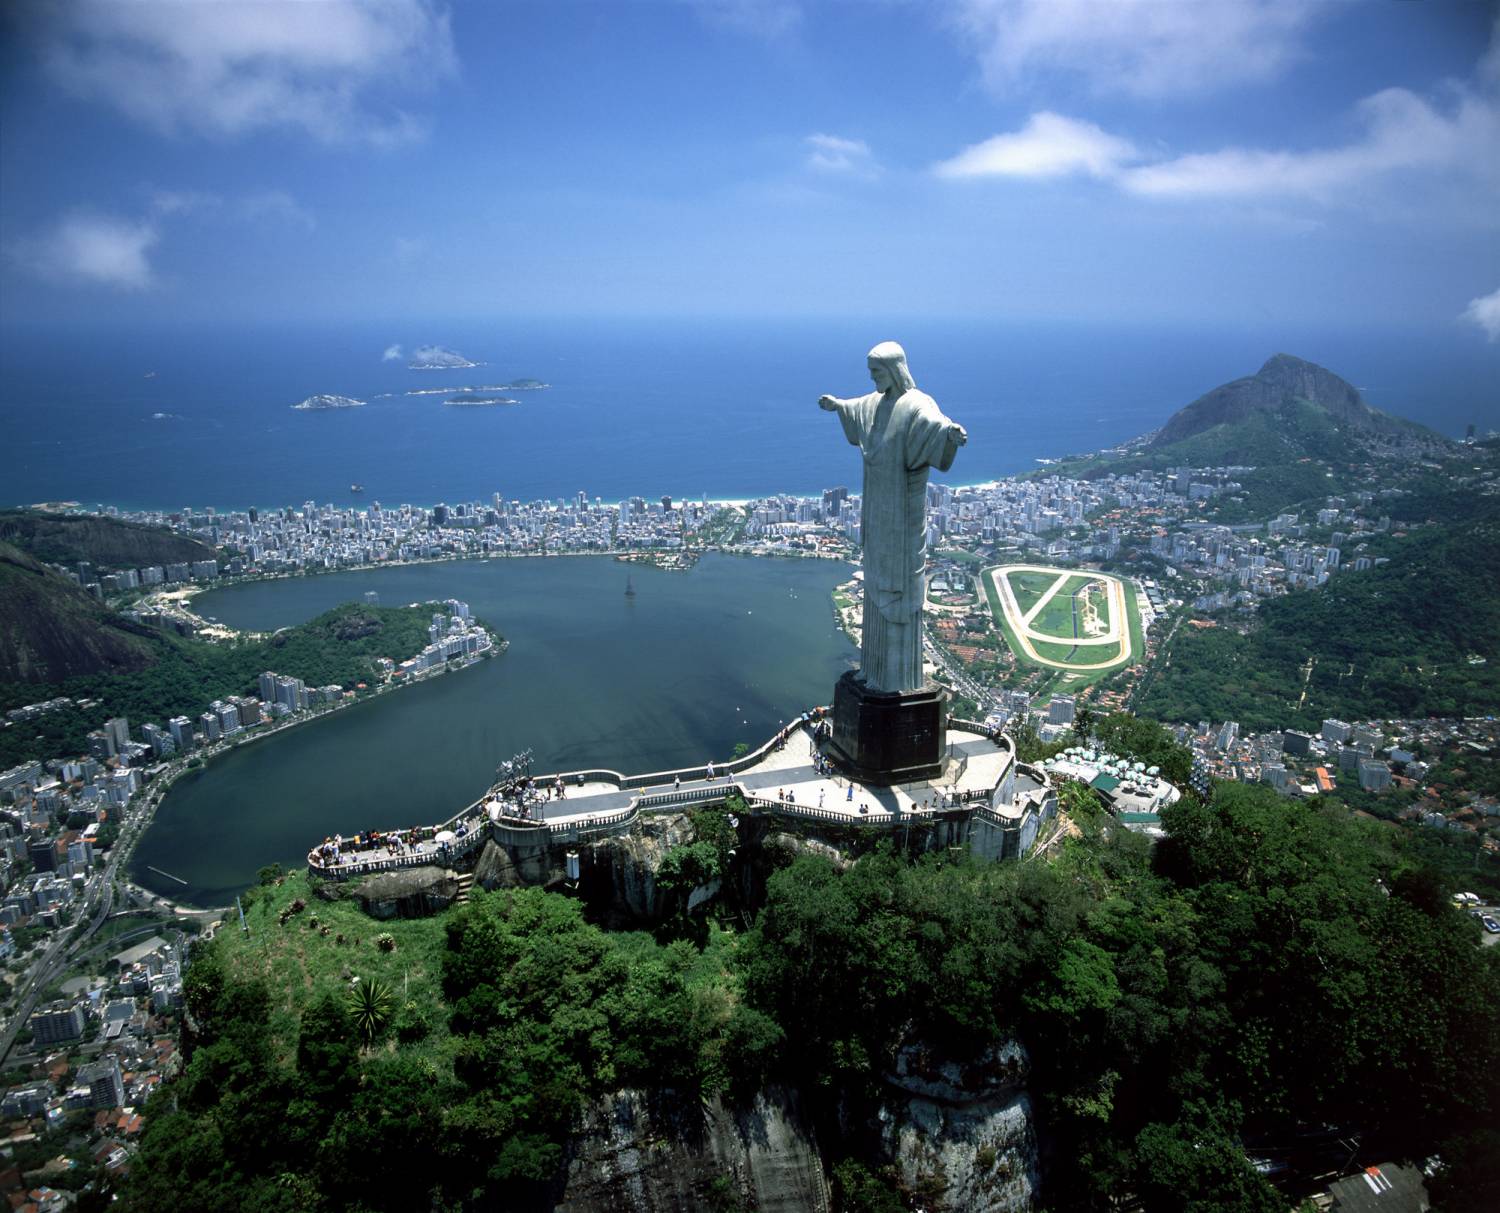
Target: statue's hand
{"points": [[828, 403], [960, 435]]}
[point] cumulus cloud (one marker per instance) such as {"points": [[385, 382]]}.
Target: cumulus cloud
{"points": [[228, 67], [92, 248], [1141, 47], [1401, 131], [834, 154], [1485, 312], [1399, 135], [1049, 145], [392, 354]]}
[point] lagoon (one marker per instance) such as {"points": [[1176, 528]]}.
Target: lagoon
{"points": [[694, 663]]}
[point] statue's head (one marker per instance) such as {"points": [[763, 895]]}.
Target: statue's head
{"points": [[888, 369]]}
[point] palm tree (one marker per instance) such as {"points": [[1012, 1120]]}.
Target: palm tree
{"points": [[370, 1004]]}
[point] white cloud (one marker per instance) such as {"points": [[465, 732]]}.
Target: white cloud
{"points": [[227, 67], [834, 154], [392, 353], [276, 206], [91, 248], [1142, 47], [767, 19], [183, 202], [409, 249], [1401, 138], [1485, 312], [1402, 131], [1049, 145]]}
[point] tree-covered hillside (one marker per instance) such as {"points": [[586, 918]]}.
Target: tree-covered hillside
{"points": [[1272, 973], [339, 646], [106, 543], [51, 630], [1416, 637]]}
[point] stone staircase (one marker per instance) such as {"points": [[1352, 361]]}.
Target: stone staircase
{"points": [[465, 883]]}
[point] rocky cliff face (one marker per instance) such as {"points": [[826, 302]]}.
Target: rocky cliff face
{"points": [[618, 873], [680, 1156], [632, 861], [961, 1132]]}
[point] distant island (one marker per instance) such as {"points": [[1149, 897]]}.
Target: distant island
{"points": [[325, 401], [520, 385], [476, 398], [437, 358]]}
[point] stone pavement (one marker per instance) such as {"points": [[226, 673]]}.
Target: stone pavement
{"points": [[974, 768]]}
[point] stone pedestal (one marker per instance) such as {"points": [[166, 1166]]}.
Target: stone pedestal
{"points": [[884, 738]]}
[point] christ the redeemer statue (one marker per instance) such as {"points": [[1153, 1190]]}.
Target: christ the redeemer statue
{"points": [[901, 433]]}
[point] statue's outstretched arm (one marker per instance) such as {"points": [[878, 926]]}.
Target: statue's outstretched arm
{"points": [[848, 415]]}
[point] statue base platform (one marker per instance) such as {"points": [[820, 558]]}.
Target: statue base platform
{"points": [[883, 737]]}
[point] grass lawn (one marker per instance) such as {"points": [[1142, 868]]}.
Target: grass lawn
{"points": [[301, 961], [1054, 652], [1028, 588], [1058, 617]]}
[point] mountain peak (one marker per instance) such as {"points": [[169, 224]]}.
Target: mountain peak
{"points": [[1282, 380]]}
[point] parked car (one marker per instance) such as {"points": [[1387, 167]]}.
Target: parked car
{"points": [[1490, 925]]}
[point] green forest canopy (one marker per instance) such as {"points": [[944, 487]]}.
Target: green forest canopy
{"points": [[1270, 965], [1416, 637]]}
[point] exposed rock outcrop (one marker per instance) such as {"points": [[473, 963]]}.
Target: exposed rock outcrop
{"points": [[633, 859], [662, 1155], [496, 869], [961, 1132], [782, 848], [407, 893]]}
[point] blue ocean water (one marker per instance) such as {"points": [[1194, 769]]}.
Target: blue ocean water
{"points": [[196, 417]]}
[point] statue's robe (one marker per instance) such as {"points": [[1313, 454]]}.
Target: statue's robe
{"points": [[899, 440]]}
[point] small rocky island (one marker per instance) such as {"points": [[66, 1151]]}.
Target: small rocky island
{"points": [[437, 358], [477, 399], [326, 401]]}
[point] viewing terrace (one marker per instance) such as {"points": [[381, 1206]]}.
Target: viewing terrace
{"points": [[787, 777]]}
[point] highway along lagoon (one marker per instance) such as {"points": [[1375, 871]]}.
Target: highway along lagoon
{"points": [[671, 676]]}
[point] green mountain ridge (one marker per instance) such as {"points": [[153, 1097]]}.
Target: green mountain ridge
{"points": [[1284, 390], [184, 676], [50, 630], [107, 542]]}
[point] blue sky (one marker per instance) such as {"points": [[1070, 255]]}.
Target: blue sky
{"points": [[1177, 162]]}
